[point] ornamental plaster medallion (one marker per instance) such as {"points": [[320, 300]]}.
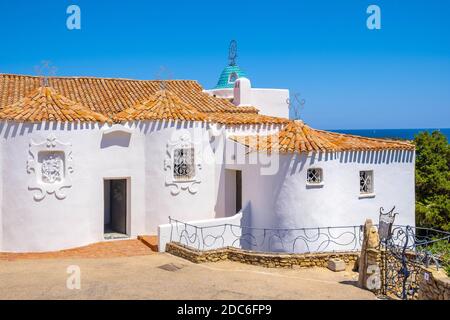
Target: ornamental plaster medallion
{"points": [[49, 167], [182, 163]]}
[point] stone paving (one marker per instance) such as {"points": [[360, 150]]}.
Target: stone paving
{"points": [[163, 276]]}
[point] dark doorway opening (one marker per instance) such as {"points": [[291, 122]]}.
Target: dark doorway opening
{"points": [[238, 190], [233, 192], [115, 194]]}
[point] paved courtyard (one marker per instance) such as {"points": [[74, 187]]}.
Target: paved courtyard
{"points": [[106, 249], [163, 276]]}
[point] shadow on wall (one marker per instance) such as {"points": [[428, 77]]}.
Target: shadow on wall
{"points": [[115, 138], [219, 207], [11, 129], [152, 126], [369, 157], [246, 222], [376, 157]]}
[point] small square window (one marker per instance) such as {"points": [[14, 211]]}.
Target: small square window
{"points": [[314, 176], [366, 182], [183, 164]]}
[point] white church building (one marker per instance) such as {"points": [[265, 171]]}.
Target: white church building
{"points": [[87, 159]]}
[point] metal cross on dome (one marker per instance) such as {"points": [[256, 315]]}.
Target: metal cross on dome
{"points": [[45, 70], [232, 53]]}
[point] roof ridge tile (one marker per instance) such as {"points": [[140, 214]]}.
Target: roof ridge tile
{"points": [[45, 103], [298, 137]]}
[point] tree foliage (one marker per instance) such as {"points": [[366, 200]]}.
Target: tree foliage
{"points": [[432, 180]]}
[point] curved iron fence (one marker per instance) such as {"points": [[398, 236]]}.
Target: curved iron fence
{"points": [[406, 249], [299, 240], [418, 241]]}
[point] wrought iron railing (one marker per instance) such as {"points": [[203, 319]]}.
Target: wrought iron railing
{"points": [[408, 250], [298, 240], [423, 246]]}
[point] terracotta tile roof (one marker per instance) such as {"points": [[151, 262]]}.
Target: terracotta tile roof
{"points": [[45, 104], [110, 96], [244, 118], [164, 105], [298, 137]]}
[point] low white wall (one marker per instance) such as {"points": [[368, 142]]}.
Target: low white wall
{"points": [[209, 234], [271, 102], [226, 93]]}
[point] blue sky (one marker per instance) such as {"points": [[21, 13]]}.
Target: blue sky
{"points": [[350, 77]]}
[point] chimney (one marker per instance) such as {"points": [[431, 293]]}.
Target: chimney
{"points": [[242, 92]]}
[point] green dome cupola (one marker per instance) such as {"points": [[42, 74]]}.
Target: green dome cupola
{"points": [[231, 72]]}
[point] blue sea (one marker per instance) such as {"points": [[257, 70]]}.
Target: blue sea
{"points": [[407, 134]]}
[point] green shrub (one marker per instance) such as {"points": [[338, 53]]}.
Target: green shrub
{"points": [[432, 180], [442, 249]]}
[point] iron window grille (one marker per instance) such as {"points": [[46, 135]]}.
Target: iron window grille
{"points": [[366, 182], [314, 176], [183, 164]]}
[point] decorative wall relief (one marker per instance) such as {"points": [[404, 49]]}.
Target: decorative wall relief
{"points": [[52, 166], [182, 163], [49, 167]]}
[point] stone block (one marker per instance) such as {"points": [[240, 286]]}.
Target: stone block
{"points": [[336, 265]]}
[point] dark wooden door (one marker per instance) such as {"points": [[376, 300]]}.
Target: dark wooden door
{"points": [[119, 206]]}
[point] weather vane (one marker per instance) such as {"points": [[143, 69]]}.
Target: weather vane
{"points": [[232, 53], [45, 70], [296, 105], [160, 76]]}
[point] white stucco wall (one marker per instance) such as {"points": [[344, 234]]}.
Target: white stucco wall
{"points": [[271, 102], [134, 151], [186, 205], [228, 153], [284, 200], [54, 224], [226, 93], [138, 152]]}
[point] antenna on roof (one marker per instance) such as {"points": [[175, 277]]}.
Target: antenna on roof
{"points": [[45, 70], [296, 104], [162, 73], [232, 53]]}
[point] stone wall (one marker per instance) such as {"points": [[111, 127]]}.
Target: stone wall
{"points": [[427, 283], [436, 287], [269, 260]]}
